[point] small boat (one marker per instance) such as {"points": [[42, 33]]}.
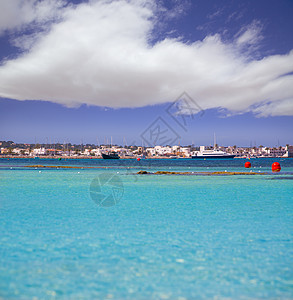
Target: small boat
{"points": [[111, 155]]}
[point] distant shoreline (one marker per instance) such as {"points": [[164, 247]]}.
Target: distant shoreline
{"points": [[134, 158], [77, 157]]}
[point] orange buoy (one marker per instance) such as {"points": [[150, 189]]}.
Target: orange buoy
{"points": [[247, 164], [138, 159], [276, 167]]}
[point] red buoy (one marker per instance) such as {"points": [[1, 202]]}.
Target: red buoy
{"points": [[247, 164], [138, 159], [276, 167]]}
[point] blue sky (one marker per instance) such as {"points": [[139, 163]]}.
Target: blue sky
{"points": [[86, 71]]}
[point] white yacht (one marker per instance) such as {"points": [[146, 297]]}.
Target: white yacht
{"points": [[214, 153]]}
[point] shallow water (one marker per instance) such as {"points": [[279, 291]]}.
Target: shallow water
{"points": [[168, 237]]}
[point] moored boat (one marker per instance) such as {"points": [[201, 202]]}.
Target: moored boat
{"points": [[110, 155]]}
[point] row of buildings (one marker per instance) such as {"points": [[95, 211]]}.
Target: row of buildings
{"points": [[32, 150]]}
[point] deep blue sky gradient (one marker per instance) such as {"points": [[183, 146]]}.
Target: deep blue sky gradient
{"points": [[30, 121]]}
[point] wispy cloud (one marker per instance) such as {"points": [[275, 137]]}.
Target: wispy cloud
{"points": [[248, 39], [99, 53], [215, 14], [16, 14]]}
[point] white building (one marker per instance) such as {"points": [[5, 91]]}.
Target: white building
{"points": [[96, 152], [185, 151], [281, 151], [39, 151], [150, 151]]}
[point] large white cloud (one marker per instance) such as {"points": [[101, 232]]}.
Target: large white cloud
{"points": [[100, 54]]}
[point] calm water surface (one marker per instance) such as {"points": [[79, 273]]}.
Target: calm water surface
{"points": [[168, 237]]}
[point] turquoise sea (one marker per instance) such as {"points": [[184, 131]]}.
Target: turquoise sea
{"points": [[107, 233]]}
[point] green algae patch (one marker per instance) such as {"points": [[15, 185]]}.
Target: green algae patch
{"points": [[142, 172], [63, 167], [200, 173]]}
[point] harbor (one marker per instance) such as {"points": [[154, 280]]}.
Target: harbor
{"points": [[68, 150]]}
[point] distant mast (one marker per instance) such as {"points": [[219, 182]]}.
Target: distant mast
{"points": [[214, 140]]}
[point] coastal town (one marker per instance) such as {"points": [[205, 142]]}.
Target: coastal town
{"points": [[68, 150]]}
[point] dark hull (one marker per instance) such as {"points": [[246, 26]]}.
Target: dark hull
{"points": [[110, 156], [213, 157]]}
